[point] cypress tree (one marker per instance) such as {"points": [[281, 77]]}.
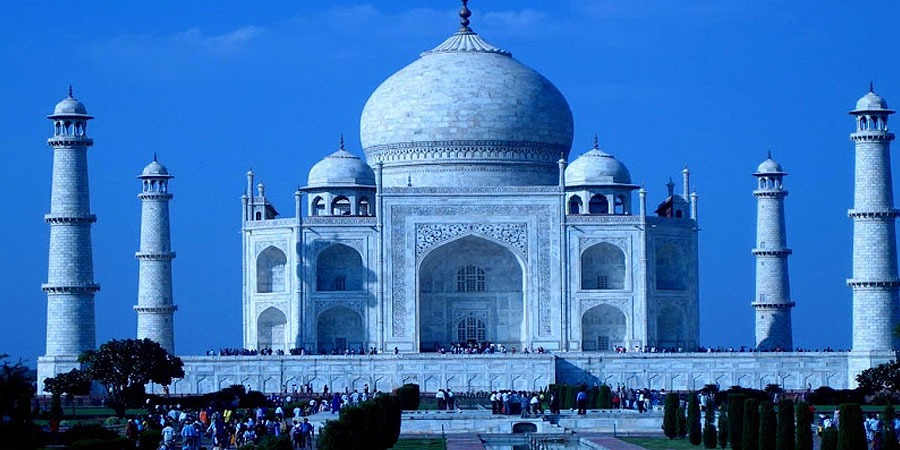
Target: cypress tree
{"points": [[723, 427], [670, 425], [887, 424], [709, 428], [784, 435], [767, 426], [851, 433], [681, 422], [829, 439], [750, 435], [736, 420], [695, 434], [605, 397], [804, 427]]}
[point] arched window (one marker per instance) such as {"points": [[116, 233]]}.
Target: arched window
{"points": [[598, 205], [270, 327], [470, 279], [318, 207], [620, 204], [603, 267], [340, 206], [339, 268], [258, 214], [603, 328], [671, 268], [270, 270], [574, 204], [470, 329], [363, 207]]}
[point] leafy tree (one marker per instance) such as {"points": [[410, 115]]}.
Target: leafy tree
{"points": [[829, 439], [670, 421], [887, 424], [695, 434], [881, 378], [851, 434], [736, 420], [681, 422], [125, 366], [784, 435], [723, 426], [750, 436], [768, 423], [709, 427], [804, 427], [409, 396], [605, 398], [71, 383]]}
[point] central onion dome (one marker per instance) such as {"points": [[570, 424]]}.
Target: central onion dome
{"points": [[466, 114]]}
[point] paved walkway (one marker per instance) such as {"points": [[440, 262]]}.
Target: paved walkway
{"points": [[464, 442], [611, 443]]}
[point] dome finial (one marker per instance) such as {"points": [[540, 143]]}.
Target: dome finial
{"points": [[154, 156], [596, 141], [70, 92], [342, 141], [769, 156], [871, 87], [464, 15]]}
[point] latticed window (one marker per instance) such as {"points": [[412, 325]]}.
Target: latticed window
{"points": [[470, 279], [470, 329], [602, 343], [602, 282], [340, 283]]}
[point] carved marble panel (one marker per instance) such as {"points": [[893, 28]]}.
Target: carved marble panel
{"points": [[429, 235]]}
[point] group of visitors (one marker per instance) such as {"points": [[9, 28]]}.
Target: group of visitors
{"points": [[524, 403], [445, 400], [481, 348], [872, 424]]}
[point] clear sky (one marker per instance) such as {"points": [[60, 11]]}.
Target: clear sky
{"points": [[215, 87]]}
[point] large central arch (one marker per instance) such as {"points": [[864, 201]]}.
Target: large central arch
{"points": [[471, 289], [270, 329]]}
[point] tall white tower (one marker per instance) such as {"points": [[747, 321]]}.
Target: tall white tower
{"points": [[155, 308], [773, 288], [70, 283], [874, 282]]}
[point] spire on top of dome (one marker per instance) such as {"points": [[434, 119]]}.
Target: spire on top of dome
{"points": [[70, 92], [465, 40], [342, 141], [596, 142]]}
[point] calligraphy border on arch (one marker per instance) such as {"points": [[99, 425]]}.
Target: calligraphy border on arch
{"points": [[429, 235]]}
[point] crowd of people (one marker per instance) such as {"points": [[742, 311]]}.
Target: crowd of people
{"points": [[481, 348]]}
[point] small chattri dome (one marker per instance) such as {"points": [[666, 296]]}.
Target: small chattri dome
{"points": [[155, 169], [341, 168], [871, 102], [70, 106], [597, 168], [769, 166]]}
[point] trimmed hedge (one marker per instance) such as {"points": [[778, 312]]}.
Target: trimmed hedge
{"points": [[670, 421], [605, 397], [736, 420], [768, 423], [695, 433], [804, 439], [723, 426], [681, 422], [829, 439], [409, 396], [372, 425], [750, 434], [851, 434], [784, 435]]}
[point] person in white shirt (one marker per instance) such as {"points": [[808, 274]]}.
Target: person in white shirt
{"points": [[168, 436]]}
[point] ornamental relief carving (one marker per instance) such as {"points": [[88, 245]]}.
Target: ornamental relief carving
{"points": [[259, 246], [401, 306], [354, 305], [281, 305], [618, 241], [321, 244], [623, 304], [429, 235]]}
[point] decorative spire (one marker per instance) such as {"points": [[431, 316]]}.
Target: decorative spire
{"points": [[769, 156], [154, 157], [464, 15], [871, 87], [70, 92], [596, 141], [342, 141]]}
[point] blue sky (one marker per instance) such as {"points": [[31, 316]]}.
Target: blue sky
{"points": [[215, 87]]}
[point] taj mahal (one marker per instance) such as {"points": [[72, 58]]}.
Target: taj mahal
{"points": [[469, 217]]}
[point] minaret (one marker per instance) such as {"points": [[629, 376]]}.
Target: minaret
{"points": [[70, 283], [155, 308], [874, 282], [773, 287]]}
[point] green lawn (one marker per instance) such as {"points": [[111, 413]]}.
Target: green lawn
{"points": [[661, 443], [423, 444]]}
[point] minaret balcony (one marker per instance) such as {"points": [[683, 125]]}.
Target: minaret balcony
{"points": [[772, 251], [872, 136], [156, 309], [770, 193], [151, 195], [863, 214], [69, 220], [88, 288], [773, 305], [155, 256], [860, 283], [70, 141]]}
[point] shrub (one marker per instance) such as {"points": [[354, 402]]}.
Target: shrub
{"points": [[768, 423], [594, 397], [804, 439], [829, 439], [81, 432], [750, 434], [605, 397], [723, 427], [851, 434], [670, 424], [736, 420], [784, 434], [695, 434], [373, 425], [282, 442], [102, 444], [681, 422], [409, 396], [149, 440], [709, 436], [887, 420]]}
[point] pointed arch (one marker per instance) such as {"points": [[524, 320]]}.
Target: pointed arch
{"points": [[270, 329], [603, 267], [339, 268], [271, 270]]}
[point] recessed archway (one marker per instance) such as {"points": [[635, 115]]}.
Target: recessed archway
{"points": [[270, 329], [603, 328], [603, 267], [339, 268], [339, 328], [471, 291]]}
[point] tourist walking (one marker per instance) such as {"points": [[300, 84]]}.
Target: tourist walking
{"points": [[581, 402]]}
